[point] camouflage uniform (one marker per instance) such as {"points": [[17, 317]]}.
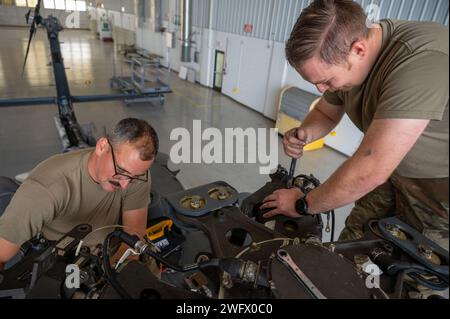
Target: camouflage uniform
{"points": [[421, 203]]}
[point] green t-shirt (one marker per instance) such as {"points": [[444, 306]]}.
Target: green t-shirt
{"points": [[410, 80], [59, 194]]}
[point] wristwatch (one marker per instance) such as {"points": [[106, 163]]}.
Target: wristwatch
{"points": [[301, 206]]}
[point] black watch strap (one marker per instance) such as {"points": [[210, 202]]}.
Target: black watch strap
{"points": [[301, 206]]}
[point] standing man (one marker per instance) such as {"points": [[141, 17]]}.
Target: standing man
{"points": [[98, 186], [392, 80]]}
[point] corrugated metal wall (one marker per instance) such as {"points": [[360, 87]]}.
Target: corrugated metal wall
{"points": [[274, 19], [200, 13]]}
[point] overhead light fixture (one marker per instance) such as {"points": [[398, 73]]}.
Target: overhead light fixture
{"points": [[123, 9], [103, 6]]}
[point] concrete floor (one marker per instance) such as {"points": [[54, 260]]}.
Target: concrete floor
{"points": [[28, 134]]}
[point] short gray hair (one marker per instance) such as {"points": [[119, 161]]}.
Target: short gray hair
{"points": [[139, 133]]}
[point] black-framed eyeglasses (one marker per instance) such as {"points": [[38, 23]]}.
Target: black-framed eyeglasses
{"points": [[122, 176]]}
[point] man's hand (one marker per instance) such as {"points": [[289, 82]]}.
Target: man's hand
{"points": [[7, 251], [294, 141], [283, 203], [119, 253], [135, 222]]}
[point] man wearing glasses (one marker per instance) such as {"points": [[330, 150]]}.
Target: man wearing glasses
{"points": [[100, 187]]}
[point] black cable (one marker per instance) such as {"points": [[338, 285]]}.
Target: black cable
{"points": [[392, 267], [110, 274], [188, 268], [230, 265], [417, 275], [333, 223], [132, 240], [314, 181]]}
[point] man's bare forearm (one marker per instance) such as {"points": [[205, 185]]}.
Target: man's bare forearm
{"points": [[317, 126], [322, 120], [371, 165]]}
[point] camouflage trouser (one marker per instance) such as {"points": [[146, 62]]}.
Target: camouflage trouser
{"points": [[421, 203]]}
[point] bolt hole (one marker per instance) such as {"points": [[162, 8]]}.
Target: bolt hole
{"points": [[290, 225], [149, 294], [83, 228], [238, 237]]}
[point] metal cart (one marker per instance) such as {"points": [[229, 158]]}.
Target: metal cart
{"points": [[144, 78]]}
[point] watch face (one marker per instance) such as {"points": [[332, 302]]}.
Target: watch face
{"points": [[301, 206]]}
